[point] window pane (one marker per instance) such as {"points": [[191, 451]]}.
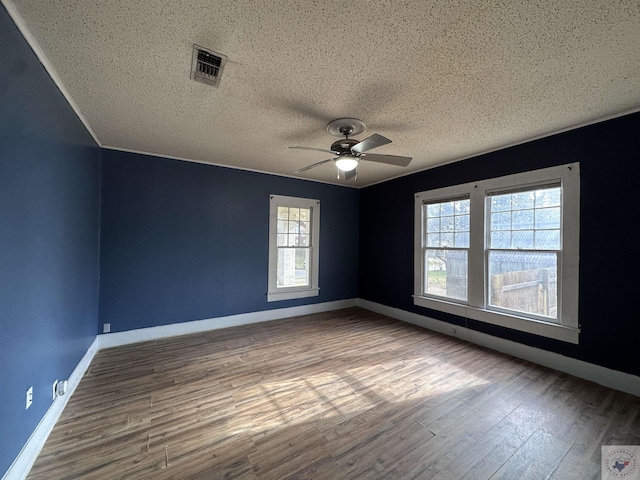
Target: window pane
{"points": [[303, 240], [501, 239], [282, 226], [433, 240], [433, 210], [446, 208], [548, 217], [446, 239], [522, 239], [286, 271], [302, 266], [293, 267], [523, 219], [282, 240], [283, 213], [462, 207], [500, 203], [523, 200], [501, 221], [446, 273], [462, 240], [549, 197], [433, 225], [446, 224], [548, 239], [526, 282], [462, 223], [305, 214]]}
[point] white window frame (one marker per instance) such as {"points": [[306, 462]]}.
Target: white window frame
{"points": [[286, 293], [567, 327]]}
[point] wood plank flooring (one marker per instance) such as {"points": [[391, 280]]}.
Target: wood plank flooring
{"points": [[339, 395]]}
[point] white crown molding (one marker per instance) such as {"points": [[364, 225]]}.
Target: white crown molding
{"points": [[222, 165], [22, 26], [530, 139]]}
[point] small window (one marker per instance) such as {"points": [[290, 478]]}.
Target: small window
{"points": [[293, 247], [503, 251], [446, 248]]}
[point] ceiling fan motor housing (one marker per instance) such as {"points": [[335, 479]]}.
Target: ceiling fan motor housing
{"points": [[343, 146]]}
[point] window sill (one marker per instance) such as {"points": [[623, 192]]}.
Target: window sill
{"points": [[536, 327], [291, 294]]}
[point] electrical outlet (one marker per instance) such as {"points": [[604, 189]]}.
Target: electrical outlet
{"points": [[54, 389], [106, 327], [29, 397]]}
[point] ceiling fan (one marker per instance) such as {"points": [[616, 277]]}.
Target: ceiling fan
{"points": [[348, 152]]}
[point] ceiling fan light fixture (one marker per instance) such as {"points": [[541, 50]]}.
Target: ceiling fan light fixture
{"points": [[346, 163]]}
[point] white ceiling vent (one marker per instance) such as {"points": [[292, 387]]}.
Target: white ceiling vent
{"points": [[207, 65]]}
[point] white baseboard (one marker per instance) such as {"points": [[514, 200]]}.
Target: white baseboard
{"points": [[617, 380], [20, 467], [107, 340], [610, 378]]}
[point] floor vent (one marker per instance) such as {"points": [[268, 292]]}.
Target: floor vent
{"points": [[207, 65]]}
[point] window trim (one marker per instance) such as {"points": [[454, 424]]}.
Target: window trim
{"points": [[475, 308], [287, 293]]}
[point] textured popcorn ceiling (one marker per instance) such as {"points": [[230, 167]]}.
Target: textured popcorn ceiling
{"points": [[444, 80]]}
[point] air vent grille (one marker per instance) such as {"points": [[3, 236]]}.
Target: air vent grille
{"points": [[207, 65]]}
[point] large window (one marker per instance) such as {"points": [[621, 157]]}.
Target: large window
{"points": [[503, 251], [523, 251], [293, 247]]}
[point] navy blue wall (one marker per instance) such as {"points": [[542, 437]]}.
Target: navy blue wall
{"points": [[49, 221], [609, 156], [184, 241]]}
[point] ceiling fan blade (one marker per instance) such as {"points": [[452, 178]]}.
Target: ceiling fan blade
{"points": [[388, 159], [309, 167], [317, 149], [351, 174], [368, 143]]}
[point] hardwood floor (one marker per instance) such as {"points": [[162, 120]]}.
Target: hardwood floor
{"points": [[338, 395]]}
